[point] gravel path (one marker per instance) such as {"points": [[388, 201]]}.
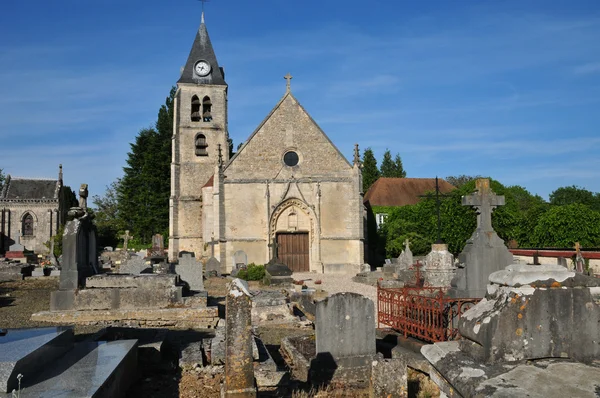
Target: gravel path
{"points": [[332, 284]]}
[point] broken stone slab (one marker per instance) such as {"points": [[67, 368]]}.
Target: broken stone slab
{"points": [[90, 369], [217, 345], [180, 318], [455, 373], [298, 351], [266, 373], [11, 271], [534, 312], [28, 351], [151, 342]]}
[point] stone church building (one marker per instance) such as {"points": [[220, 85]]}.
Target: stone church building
{"points": [[31, 211], [287, 191]]}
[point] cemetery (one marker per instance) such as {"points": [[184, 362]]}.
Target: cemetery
{"points": [[481, 325], [284, 269]]}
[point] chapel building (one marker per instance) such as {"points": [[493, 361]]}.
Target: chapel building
{"points": [[287, 192], [31, 212]]}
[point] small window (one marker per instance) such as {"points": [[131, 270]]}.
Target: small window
{"points": [[27, 227], [206, 109], [380, 219], [290, 158], [195, 116], [201, 145]]}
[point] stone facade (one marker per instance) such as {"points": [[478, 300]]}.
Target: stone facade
{"points": [[31, 212], [248, 202]]}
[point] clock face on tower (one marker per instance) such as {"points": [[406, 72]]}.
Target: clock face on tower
{"points": [[202, 68]]}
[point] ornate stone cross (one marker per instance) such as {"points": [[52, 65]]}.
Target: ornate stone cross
{"points": [[126, 238], [289, 78], [485, 201]]}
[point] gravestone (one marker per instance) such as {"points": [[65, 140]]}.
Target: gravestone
{"points": [[79, 259], [484, 252], [239, 366], [439, 269], [158, 247], [405, 260], [345, 339], [213, 267], [135, 265], [240, 261], [278, 274], [190, 271]]}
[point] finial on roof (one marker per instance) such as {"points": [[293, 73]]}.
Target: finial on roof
{"points": [[60, 173], [288, 84], [202, 17], [356, 155]]}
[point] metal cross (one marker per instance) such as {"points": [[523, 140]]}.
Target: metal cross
{"points": [[289, 78], [437, 205], [203, 1]]}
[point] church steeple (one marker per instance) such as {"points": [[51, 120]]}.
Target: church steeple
{"points": [[202, 66]]}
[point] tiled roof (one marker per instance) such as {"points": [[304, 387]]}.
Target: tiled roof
{"points": [[29, 188], [402, 191]]}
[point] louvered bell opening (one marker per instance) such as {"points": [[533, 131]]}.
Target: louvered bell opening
{"points": [[196, 116], [196, 101]]}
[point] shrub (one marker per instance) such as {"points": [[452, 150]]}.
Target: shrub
{"points": [[252, 272]]}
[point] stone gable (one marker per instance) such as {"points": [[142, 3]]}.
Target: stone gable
{"points": [[288, 128]]}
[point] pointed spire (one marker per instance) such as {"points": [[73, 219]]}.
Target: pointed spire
{"points": [[202, 50], [60, 173]]}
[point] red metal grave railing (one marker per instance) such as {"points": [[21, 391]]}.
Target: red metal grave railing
{"points": [[421, 312]]}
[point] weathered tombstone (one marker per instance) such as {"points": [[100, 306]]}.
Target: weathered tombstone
{"points": [[213, 267], [345, 339], [439, 266], [190, 271], [240, 259], [135, 265], [158, 247], [79, 258], [239, 366], [484, 252], [405, 260], [125, 254], [278, 274]]}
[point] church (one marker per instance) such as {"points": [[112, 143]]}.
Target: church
{"points": [[288, 192]]}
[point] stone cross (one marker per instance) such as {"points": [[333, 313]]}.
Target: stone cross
{"points": [[438, 204], [275, 247], [579, 261], [83, 194], [212, 244], [126, 238], [406, 244], [485, 201], [288, 84]]}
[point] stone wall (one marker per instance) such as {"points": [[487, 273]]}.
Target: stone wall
{"points": [[46, 221]]}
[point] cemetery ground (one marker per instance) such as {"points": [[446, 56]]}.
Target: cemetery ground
{"points": [[20, 299]]}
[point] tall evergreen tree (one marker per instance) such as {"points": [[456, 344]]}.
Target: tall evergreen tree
{"points": [[144, 191], [398, 168], [370, 173], [387, 167]]}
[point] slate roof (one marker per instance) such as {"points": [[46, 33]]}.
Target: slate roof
{"points": [[202, 50], [30, 189], [402, 191]]}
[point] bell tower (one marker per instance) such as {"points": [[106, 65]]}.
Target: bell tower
{"points": [[199, 129]]}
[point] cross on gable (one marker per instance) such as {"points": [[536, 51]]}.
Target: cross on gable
{"points": [[485, 201], [288, 84]]}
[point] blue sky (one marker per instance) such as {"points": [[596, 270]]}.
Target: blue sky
{"points": [[509, 89]]}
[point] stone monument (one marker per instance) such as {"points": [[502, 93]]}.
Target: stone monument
{"points": [[405, 260], [239, 367], [484, 252], [439, 269]]}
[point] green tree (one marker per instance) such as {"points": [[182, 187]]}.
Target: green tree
{"points": [[460, 180], [107, 219], [387, 168], [399, 168], [573, 194], [370, 173], [562, 226], [144, 191]]}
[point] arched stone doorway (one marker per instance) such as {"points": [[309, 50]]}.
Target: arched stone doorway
{"points": [[293, 227]]}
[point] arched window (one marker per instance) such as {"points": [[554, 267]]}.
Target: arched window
{"points": [[27, 226], [195, 115], [206, 109], [201, 145]]}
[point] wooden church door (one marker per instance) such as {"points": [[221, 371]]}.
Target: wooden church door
{"points": [[293, 250]]}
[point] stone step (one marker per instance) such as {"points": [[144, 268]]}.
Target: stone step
{"points": [[143, 281], [90, 369], [27, 351]]}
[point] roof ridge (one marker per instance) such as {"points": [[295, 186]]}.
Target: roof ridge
{"points": [[34, 178]]}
